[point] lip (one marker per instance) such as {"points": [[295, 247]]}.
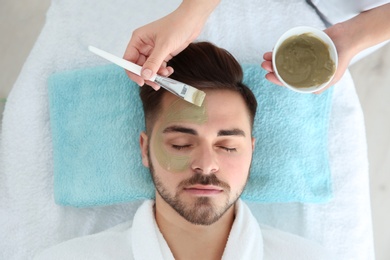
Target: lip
{"points": [[203, 190]]}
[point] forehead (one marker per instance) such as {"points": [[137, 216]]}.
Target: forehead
{"points": [[219, 107]]}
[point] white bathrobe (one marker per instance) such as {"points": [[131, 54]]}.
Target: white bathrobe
{"points": [[142, 239]]}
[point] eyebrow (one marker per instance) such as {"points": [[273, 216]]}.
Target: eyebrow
{"points": [[235, 131], [180, 129], [186, 130]]}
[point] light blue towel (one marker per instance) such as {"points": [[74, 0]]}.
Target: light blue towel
{"points": [[96, 117]]}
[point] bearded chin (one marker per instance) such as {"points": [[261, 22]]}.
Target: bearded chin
{"points": [[201, 210]]}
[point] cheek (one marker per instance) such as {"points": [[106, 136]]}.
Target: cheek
{"points": [[236, 168], [169, 161], [167, 178]]}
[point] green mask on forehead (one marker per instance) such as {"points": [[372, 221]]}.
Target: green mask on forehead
{"points": [[179, 111]]}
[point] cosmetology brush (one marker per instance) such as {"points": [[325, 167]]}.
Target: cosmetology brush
{"points": [[184, 91]]}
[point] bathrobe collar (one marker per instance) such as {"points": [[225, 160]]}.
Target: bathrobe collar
{"points": [[245, 239]]}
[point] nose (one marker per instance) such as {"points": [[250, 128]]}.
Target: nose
{"points": [[205, 161]]}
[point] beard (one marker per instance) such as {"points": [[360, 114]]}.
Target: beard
{"points": [[203, 210]]}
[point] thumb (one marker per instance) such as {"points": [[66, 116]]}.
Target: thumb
{"points": [[153, 63]]}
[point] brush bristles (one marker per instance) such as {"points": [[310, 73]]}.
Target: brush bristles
{"points": [[195, 96]]}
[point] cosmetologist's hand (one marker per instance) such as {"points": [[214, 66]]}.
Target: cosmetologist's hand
{"points": [[154, 44]]}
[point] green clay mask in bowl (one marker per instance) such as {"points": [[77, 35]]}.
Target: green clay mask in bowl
{"points": [[305, 59]]}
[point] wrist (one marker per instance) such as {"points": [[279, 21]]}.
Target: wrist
{"points": [[346, 39], [368, 28], [200, 9]]}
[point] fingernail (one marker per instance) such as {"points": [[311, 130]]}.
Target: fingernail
{"points": [[146, 73]]}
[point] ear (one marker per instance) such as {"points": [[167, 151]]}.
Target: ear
{"points": [[253, 144], [143, 142]]}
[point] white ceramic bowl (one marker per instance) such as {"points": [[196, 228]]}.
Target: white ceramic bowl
{"points": [[314, 32]]}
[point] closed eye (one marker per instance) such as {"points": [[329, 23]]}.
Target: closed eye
{"points": [[228, 149], [181, 147]]}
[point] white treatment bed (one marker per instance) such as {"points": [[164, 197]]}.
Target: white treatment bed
{"points": [[30, 221]]}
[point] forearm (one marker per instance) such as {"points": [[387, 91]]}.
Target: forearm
{"points": [[203, 5], [199, 8], [368, 28], [194, 13]]}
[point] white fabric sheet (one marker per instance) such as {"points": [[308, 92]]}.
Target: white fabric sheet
{"points": [[30, 220]]}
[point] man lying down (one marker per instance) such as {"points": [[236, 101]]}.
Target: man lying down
{"points": [[199, 159]]}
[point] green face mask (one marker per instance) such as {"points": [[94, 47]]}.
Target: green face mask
{"points": [[179, 111]]}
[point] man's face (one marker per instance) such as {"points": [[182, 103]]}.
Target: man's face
{"points": [[200, 157]]}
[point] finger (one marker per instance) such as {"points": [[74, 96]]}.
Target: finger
{"points": [[267, 56], [132, 51], [137, 79], [163, 72], [132, 54], [137, 46], [154, 62], [141, 60], [154, 85], [322, 90], [163, 69], [272, 78], [267, 65], [170, 70]]}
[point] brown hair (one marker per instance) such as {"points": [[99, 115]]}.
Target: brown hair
{"points": [[203, 66]]}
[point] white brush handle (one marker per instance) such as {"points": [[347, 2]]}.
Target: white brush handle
{"points": [[180, 89], [127, 65]]}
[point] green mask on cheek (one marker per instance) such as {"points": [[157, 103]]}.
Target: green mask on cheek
{"points": [[179, 111]]}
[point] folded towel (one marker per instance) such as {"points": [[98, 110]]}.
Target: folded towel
{"points": [[96, 118]]}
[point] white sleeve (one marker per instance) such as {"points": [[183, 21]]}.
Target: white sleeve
{"points": [[336, 11]]}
